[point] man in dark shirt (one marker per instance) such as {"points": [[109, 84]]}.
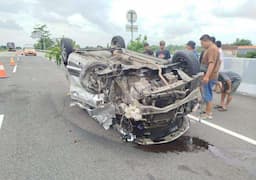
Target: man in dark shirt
{"points": [[162, 52], [191, 46], [147, 50], [213, 39], [228, 83]]}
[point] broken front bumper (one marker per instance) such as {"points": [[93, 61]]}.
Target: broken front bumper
{"points": [[168, 138]]}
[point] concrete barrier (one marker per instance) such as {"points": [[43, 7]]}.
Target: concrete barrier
{"points": [[246, 67]]}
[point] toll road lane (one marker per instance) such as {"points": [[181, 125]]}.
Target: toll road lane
{"points": [[42, 137], [227, 131]]}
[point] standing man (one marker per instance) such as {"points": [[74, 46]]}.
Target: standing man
{"points": [[191, 46], [213, 39], [162, 52], [211, 62], [219, 44], [147, 50]]}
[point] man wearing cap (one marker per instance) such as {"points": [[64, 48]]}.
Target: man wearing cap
{"points": [[213, 39], [211, 62], [191, 46], [162, 52]]}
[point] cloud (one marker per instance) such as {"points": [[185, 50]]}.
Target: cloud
{"points": [[11, 6], [96, 13], [17, 36], [246, 9], [51, 17], [9, 24], [79, 21], [93, 23]]}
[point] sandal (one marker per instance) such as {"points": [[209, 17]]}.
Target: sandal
{"points": [[222, 109], [217, 106], [202, 112]]}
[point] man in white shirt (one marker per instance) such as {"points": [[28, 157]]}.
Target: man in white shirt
{"points": [[219, 44]]}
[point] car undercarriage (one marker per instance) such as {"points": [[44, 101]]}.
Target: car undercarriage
{"points": [[144, 98]]}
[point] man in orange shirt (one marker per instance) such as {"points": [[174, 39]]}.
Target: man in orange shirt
{"points": [[210, 63]]}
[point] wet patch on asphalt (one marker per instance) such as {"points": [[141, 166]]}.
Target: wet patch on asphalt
{"points": [[182, 144], [194, 144]]}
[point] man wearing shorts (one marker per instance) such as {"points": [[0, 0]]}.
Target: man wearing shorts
{"points": [[211, 62], [228, 84]]}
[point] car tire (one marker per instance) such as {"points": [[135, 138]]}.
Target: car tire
{"points": [[118, 41], [66, 49], [188, 62]]}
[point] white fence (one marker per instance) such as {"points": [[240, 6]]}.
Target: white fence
{"points": [[247, 69]]}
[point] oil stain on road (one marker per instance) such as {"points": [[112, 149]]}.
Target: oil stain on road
{"points": [[182, 144]]}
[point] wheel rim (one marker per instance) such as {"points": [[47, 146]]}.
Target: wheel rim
{"points": [[116, 43], [92, 82]]}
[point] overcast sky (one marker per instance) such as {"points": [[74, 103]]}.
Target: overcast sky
{"points": [[93, 22]]}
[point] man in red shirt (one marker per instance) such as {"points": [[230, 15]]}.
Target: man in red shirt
{"points": [[162, 52]]}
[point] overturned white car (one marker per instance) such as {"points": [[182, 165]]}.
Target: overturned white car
{"points": [[144, 98]]}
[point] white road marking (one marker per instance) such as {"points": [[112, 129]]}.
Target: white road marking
{"points": [[14, 69], [229, 132], [1, 120]]}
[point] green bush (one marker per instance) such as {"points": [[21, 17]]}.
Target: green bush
{"points": [[54, 53], [251, 54], [138, 44], [242, 42]]}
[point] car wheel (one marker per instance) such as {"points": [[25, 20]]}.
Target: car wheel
{"points": [[188, 62], [66, 49], [118, 41], [89, 79]]}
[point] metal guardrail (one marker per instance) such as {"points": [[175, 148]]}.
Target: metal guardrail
{"points": [[40, 50], [246, 68]]}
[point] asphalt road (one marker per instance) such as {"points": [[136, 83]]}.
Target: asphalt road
{"points": [[42, 137]]}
